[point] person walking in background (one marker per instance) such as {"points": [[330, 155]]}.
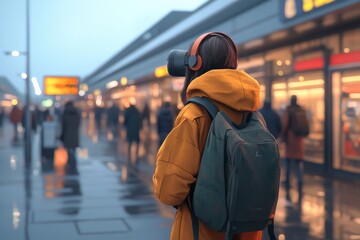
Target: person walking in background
{"points": [[295, 128], [112, 119], [33, 120], [145, 115], [132, 124], [165, 121], [15, 119], [178, 159], [2, 115], [70, 126], [272, 119], [98, 111]]}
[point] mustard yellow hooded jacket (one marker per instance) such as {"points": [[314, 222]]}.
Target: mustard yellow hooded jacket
{"points": [[178, 159]]}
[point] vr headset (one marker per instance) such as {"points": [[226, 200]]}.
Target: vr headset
{"points": [[178, 60]]}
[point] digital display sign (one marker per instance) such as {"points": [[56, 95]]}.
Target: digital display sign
{"points": [[291, 9], [60, 85]]}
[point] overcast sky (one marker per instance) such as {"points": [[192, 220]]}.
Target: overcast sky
{"points": [[74, 37]]}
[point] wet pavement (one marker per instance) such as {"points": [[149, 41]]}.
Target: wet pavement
{"points": [[112, 198]]}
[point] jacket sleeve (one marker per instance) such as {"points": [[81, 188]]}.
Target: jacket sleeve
{"points": [[177, 162]]}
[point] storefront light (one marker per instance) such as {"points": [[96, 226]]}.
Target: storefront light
{"points": [[354, 95], [298, 92], [308, 83], [123, 81], [14, 102], [279, 62], [316, 91], [346, 50], [279, 94], [287, 62], [112, 84], [301, 78], [278, 86], [351, 79], [280, 73], [97, 92]]}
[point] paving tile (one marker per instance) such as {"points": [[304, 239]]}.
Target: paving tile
{"points": [[103, 226]]}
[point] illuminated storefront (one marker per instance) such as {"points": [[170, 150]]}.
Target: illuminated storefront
{"points": [[325, 75]]}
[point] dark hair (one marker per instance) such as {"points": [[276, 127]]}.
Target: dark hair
{"points": [[216, 53]]}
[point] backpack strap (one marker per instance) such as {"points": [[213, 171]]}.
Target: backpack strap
{"points": [[271, 232], [211, 108], [194, 220]]}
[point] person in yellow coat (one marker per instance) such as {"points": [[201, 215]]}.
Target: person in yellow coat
{"points": [[212, 74]]}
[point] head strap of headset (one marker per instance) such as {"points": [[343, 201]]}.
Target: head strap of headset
{"points": [[195, 60]]}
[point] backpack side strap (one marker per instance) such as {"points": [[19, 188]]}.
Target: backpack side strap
{"points": [[211, 108]]}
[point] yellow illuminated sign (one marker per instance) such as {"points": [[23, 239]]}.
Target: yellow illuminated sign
{"points": [[309, 5], [57, 85], [297, 8], [161, 72]]}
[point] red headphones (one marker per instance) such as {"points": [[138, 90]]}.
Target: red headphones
{"points": [[195, 60]]}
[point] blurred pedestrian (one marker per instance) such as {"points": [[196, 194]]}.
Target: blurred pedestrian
{"points": [[178, 159], [33, 120], [70, 126], [294, 150], [112, 119], [145, 115], [98, 111], [2, 115], [132, 124], [15, 119], [165, 121], [272, 119]]}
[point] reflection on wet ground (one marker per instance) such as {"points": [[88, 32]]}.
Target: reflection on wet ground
{"points": [[111, 197]]}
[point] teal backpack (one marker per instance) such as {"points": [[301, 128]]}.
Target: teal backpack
{"points": [[238, 182]]}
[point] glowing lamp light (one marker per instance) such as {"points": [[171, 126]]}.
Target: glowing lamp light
{"points": [[14, 102], [82, 93], [123, 81], [47, 103], [97, 92], [23, 75], [36, 86], [15, 53], [112, 84]]}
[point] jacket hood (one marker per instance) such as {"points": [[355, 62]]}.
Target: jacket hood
{"points": [[234, 89]]}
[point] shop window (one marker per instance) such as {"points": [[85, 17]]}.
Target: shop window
{"points": [[309, 89], [346, 119]]}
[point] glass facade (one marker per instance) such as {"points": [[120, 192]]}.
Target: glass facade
{"points": [[297, 70]]}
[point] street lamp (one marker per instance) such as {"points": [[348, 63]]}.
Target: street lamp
{"points": [[15, 53]]}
